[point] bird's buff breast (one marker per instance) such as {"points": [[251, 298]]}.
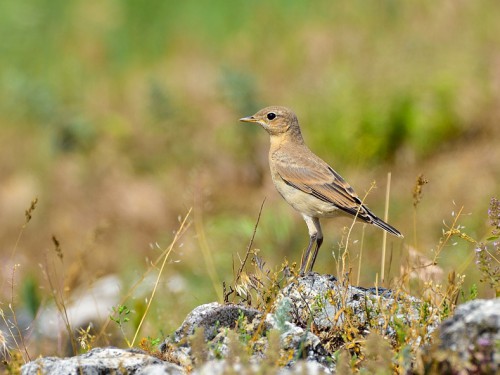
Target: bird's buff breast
{"points": [[303, 202]]}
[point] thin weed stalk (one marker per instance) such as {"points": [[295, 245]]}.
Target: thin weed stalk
{"points": [[58, 294], [4, 349], [177, 236], [361, 253], [417, 197], [153, 266], [14, 316], [249, 247], [28, 214], [454, 230], [20, 345], [384, 235], [11, 333], [346, 247]]}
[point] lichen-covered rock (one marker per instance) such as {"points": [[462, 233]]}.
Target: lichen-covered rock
{"points": [[223, 367], [309, 321], [313, 315], [474, 329], [328, 303], [295, 343], [102, 361], [302, 342], [211, 317]]}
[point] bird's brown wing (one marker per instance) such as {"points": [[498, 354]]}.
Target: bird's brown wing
{"points": [[313, 176], [310, 174]]}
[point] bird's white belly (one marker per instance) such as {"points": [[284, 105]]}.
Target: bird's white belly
{"points": [[305, 203]]}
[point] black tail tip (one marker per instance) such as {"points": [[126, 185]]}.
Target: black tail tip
{"points": [[388, 228]]}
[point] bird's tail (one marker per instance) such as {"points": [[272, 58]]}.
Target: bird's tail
{"points": [[382, 224]]}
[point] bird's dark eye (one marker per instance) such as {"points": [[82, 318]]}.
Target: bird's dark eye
{"points": [[271, 116]]}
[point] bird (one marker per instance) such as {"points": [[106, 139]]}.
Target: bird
{"points": [[306, 182]]}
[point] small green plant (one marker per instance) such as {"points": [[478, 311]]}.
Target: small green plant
{"points": [[241, 328], [121, 316], [472, 293], [150, 345], [85, 338]]}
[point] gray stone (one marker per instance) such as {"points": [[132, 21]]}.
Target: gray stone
{"points": [[96, 361], [213, 316], [324, 300], [162, 369], [475, 326], [305, 310], [301, 341], [216, 319], [318, 299], [222, 367]]}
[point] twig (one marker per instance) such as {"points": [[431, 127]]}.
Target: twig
{"points": [[240, 270]]}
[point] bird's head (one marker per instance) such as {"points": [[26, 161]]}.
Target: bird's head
{"points": [[276, 120]]}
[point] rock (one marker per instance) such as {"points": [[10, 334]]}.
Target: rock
{"points": [[474, 329], [215, 319], [223, 367], [308, 313], [162, 369], [211, 317], [305, 326], [102, 361], [326, 302], [302, 342]]}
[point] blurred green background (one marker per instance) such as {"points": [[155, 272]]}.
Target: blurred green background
{"points": [[121, 115]]}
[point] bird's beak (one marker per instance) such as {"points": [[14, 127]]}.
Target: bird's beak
{"points": [[248, 119]]}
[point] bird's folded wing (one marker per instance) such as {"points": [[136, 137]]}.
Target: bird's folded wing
{"points": [[321, 181]]}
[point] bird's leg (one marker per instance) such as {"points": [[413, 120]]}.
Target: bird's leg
{"points": [[319, 241], [305, 255], [315, 235]]}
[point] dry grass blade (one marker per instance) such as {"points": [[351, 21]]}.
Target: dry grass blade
{"points": [[345, 252], [13, 335], [153, 266], [178, 235], [249, 247], [386, 219], [28, 215], [361, 253], [58, 295], [14, 318]]}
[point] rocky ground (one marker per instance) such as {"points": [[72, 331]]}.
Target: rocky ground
{"points": [[309, 328]]}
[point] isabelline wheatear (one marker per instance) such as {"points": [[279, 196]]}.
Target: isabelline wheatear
{"points": [[306, 182]]}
